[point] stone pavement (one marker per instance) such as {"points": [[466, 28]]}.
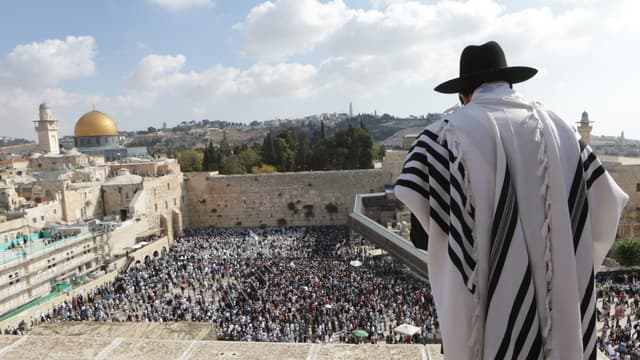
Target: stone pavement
{"points": [[30, 347]]}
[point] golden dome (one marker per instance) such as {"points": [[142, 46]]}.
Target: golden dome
{"points": [[95, 123]]}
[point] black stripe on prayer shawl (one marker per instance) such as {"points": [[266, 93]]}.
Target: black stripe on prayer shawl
{"points": [[525, 286], [446, 196], [578, 205], [579, 208], [592, 167], [503, 231], [413, 186], [595, 175]]}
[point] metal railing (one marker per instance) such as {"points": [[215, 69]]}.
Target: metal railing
{"points": [[7, 256], [382, 237]]}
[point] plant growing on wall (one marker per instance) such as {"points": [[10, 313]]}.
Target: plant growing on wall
{"points": [[308, 211], [331, 208]]}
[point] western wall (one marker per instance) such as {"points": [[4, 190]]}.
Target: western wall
{"points": [[296, 199]]}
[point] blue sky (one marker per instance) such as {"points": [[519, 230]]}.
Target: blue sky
{"points": [[145, 62]]}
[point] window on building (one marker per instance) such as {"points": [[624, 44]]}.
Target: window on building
{"points": [[35, 220], [638, 187], [42, 217], [166, 205], [174, 202], [168, 186], [156, 206]]}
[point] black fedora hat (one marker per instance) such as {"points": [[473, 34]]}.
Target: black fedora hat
{"points": [[484, 63]]}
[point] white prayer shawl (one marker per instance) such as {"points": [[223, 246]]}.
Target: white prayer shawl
{"points": [[517, 211]]}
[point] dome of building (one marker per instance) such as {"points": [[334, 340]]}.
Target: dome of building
{"points": [[95, 123]]}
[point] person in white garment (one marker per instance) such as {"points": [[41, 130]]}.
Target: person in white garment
{"points": [[518, 212]]}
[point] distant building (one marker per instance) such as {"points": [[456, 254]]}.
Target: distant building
{"points": [[47, 129], [96, 133], [585, 128]]}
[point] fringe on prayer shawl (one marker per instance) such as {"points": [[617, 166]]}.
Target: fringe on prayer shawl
{"points": [[546, 226], [475, 339], [537, 115]]}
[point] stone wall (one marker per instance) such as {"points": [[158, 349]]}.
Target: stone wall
{"points": [[164, 198], [82, 200], [301, 198], [10, 229], [45, 213], [392, 165], [628, 178]]}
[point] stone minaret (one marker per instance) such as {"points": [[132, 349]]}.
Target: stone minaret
{"points": [[47, 129], [350, 109], [585, 128]]}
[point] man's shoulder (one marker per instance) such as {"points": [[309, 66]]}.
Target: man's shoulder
{"points": [[463, 114]]}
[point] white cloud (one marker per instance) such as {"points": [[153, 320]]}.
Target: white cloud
{"points": [[44, 64], [164, 74], [177, 5], [313, 52], [408, 42], [32, 72], [275, 30]]}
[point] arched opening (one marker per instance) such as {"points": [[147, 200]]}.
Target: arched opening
{"points": [[156, 254]]}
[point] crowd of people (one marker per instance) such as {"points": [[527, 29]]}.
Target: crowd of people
{"points": [[295, 284], [618, 305], [23, 240]]}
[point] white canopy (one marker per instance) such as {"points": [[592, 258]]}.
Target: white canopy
{"points": [[407, 329]]}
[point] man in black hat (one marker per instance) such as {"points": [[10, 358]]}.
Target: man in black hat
{"points": [[517, 211]]}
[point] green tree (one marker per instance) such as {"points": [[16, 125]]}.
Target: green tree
{"points": [[285, 156], [190, 160], [249, 158], [205, 156], [231, 165], [303, 153], [269, 149], [627, 252], [225, 148], [211, 157], [365, 151]]}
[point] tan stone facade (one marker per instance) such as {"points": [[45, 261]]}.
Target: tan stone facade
{"points": [[302, 198], [628, 178]]}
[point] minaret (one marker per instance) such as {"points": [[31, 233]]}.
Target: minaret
{"points": [[585, 128], [47, 129], [350, 109]]}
